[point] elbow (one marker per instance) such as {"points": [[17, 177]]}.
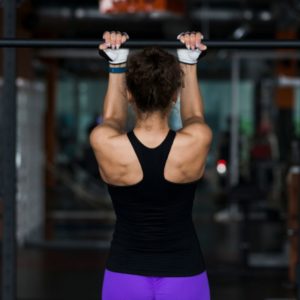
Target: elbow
{"points": [[95, 137], [210, 135], [197, 118], [205, 134]]}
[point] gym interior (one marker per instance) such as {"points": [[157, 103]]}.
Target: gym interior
{"points": [[56, 217]]}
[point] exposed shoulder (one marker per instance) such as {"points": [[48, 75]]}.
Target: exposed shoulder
{"points": [[196, 133], [102, 136], [187, 159], [110, 147]]}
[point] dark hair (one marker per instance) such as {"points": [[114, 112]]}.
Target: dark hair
{"points": [[153, 77]]}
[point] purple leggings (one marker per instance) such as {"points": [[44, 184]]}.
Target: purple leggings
{"points": [[121, 286]]}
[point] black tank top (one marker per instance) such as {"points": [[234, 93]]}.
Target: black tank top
{"points": [[154, 233]]}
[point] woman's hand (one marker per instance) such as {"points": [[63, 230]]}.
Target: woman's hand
{"points": [[113, 39], [192, 40], [194, 45], [109, 49]]}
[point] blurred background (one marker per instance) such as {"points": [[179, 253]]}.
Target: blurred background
{"points": [[246, 207]]}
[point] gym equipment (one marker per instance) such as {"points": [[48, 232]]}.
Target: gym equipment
{"points": [[221, 44]]}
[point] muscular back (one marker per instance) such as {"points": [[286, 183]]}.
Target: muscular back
{"points": [[119, 165]]}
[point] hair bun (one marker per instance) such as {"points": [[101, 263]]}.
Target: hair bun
{"points": [[150, 51], [153, 76], [155, 56], [154, 53]]}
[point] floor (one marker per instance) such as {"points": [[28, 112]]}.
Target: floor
{"points": [[71, 274], [72, 266]]}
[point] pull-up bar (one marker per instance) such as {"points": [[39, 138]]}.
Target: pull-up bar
{"points": [[224, 44]]}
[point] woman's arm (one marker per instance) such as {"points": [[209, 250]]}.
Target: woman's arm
{"points": [[195, 131], [191, 104], [115, 103], [115, 100]]}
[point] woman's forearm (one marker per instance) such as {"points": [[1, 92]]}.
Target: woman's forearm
{"points": [[191, 104], [115, 101]]}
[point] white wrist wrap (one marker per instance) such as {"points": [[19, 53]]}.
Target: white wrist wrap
{"points": [[117, 56], [188, 56]]}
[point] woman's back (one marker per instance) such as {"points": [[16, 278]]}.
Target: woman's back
{"points": [[185, 162], [154, 233]]}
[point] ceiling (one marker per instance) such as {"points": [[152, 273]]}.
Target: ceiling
{"points": [[217, 19]]}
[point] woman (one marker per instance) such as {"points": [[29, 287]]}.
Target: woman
{"points": [[152, 172]]}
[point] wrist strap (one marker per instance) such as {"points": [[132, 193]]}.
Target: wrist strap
{"points": [[185, 63], [117, 69]]}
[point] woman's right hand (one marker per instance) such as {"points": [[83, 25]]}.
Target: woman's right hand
{"points": [[192, 40], [194, 45]]}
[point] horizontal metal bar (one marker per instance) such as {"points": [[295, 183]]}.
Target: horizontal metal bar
{"points": [[224, 44]]}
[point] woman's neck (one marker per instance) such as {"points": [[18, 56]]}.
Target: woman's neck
{"points": [[153, 123]]}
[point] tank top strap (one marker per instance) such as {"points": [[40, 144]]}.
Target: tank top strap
{"points": [[152, 160], [166, 146]]}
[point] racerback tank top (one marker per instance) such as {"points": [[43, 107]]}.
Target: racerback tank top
{"points": [[154, 233]]}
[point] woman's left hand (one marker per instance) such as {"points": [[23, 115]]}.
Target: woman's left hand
{"points": [[113, 39], [110, 49]]}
